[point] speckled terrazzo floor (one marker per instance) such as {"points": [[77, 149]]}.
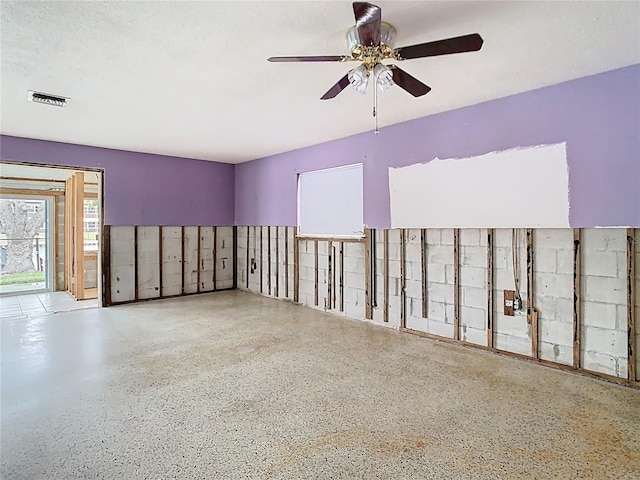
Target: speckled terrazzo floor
{"points": [[232, 385]]}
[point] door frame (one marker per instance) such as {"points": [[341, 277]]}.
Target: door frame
{"points": [[102, 263]]}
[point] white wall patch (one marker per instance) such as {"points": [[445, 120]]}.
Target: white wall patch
{"points": [[524, 187]]}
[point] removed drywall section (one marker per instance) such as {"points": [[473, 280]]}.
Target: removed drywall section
{"points": [[332, 277], [473, 286], [263, 264], [224, 258], [148, 271], [554, 293], [491, 190], [190, 257], [122, 263], [171, 261], [604, 331], [150, 262], [511, 333], [207, 235]]}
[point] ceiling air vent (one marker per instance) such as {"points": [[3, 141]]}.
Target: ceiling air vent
{"points": [[46, 98]]}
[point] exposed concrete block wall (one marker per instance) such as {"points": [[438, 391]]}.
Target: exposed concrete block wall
{"points": [[512, 334], [602, 304], [604, 334], [170, 261], [257, 268], [553, 260], [122, 264], [148, 271]]}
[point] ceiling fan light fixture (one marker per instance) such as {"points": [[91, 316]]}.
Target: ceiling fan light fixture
{"points": [[359, 78], [383, 76]]}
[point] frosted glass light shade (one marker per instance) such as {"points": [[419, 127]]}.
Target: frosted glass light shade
{"points": [[387, 36], [383, 76], [359, 78]]}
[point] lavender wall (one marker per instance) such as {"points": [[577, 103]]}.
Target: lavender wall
{"points": [[140, 188], [597, 116]]}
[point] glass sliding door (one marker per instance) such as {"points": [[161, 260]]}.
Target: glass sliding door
{"points": [[25, 248]]}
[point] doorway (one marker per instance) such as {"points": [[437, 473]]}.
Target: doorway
{"points": [[60, 249], [25, 244]]}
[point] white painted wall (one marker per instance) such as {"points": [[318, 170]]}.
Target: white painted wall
{"points": [[492, 190]]}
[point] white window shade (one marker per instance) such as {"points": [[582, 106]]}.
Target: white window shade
{"points": [[330, 202]]}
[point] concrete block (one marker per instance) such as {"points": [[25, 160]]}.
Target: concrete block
{"points": [[308, 260], [413, 252], [554, 285], [513, 344], [610, 239], [564, 261], [601, 263], [516, 326], [441, 254], [474, 297], [601, 315], [474, 256], [394, 269], [434, 236], [447, 236], [473, 335], [502, 258], [503, 279], [564, 310], [556, 353], [473, 277], [601, 340], [438, 311], [473, 317], [354, 250], [545, 260], [470, 236], [558, 333], [417, 323], [415, 307], [354, 280], [440, 328], [605, 290], [553, 238], [442, 293], [502, 237], [413, 288], [603, 363], [436, 273]]}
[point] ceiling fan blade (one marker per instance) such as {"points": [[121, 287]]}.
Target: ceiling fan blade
{"points": [[368, 19], [330, 58], [411, 84], [466, 43], [337, 88]]}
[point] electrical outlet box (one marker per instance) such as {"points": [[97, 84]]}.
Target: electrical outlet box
{"points": [[509, 296], [253, 264], [517, 304]]}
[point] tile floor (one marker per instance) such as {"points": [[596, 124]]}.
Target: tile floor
{"points": [[36, 304]]}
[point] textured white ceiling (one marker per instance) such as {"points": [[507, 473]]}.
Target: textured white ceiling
{"points": [[191, 78]]}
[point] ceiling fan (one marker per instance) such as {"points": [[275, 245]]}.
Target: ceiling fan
{"points": [[370, 42]]}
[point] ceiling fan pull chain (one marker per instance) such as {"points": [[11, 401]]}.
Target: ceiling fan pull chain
{"points": [[375, 103]]}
